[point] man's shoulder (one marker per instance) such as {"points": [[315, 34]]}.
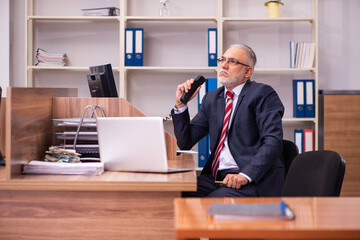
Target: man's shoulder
{"points": [[256, 86]]}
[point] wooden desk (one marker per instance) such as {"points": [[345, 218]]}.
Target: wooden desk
{"points": [[316, 218], [115, 205]]}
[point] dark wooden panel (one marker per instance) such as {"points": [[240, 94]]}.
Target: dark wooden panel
{"points": [[28, 124], [113, 107], [342, 134]]}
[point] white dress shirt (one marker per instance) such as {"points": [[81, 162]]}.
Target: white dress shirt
{"points": [[226, 160]]}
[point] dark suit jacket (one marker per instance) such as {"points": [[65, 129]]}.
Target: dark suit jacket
{"points": [[254, 137]]}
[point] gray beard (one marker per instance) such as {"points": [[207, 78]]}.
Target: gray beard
{"points": [[228, 81]]}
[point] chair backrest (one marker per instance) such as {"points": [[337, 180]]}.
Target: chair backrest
{"points": [[290, 151], [315, 173]]}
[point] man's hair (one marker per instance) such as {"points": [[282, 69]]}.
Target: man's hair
{"points": [[249, 52]]}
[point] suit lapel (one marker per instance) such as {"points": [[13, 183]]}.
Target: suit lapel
{"points": [[220, 104], [240, 99], [242, 94]]}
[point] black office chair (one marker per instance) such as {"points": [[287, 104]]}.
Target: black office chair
{"points": [[290, 151], [315, 174]]}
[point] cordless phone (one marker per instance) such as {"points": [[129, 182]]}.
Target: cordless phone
{"points": [[187, 95]]}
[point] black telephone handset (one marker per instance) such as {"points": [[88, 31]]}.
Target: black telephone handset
{"points": [[187, 95]]}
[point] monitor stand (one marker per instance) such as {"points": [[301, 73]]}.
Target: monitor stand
{"points": [[2, 160]]}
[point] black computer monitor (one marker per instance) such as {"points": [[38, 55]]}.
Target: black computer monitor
{"points": [[101, 81]]}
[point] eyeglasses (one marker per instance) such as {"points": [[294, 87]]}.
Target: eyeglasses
{"points": [[231, 61]]}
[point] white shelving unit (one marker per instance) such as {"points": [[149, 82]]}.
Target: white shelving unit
{"points": [[233, 25]]}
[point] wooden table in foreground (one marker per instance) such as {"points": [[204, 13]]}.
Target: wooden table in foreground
{"points": [[115, 205], [316, 218]]}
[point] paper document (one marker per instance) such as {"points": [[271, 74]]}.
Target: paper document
{"points": [[74, 122], [42, 167]]}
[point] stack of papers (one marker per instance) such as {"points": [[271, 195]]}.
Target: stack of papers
{"points": [[44, 58], [42, 167], [251, 211]]}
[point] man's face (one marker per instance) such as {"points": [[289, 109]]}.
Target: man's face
{"points": [[232, 73]]}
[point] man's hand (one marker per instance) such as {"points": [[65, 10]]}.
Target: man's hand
{"points": [[181, 89], [235, 181]]}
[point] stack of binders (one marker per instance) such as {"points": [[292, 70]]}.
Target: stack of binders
{"points": [[210, 84], [304, 139], [304, 98], [134, 43], [203, 144]]}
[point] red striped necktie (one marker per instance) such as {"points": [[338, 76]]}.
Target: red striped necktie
{"points": [[229, 102]]}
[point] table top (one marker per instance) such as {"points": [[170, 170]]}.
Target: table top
{"points": [[316, 218], [109, 180]]}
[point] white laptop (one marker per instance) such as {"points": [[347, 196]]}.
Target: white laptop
{"points": [[134, 144]]}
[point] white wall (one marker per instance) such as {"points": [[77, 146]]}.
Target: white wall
{"points": [[17, 41], [4, 44], [339, 49]]}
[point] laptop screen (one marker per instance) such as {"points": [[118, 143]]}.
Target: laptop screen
{"points": [[132, 144]]}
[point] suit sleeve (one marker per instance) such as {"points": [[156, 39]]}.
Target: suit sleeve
{"points": [[187, 132]]}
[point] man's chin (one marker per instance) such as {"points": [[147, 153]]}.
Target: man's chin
{"points": [[224, 80], [227, 82]]}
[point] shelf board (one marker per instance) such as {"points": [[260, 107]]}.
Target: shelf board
{"points": [[151, 68], [74, 18], [175, 19], [283, 70], [279, 19], [62, 68], [146, 68], [292, 119], [173, 68], [158, 18]]}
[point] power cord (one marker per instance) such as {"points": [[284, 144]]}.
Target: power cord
{"points": [[167, 118]]}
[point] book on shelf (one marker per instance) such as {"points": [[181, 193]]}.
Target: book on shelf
{"points": [[44, 58], [44, 167], [302, 54], [251, 211], [104, 11]]}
